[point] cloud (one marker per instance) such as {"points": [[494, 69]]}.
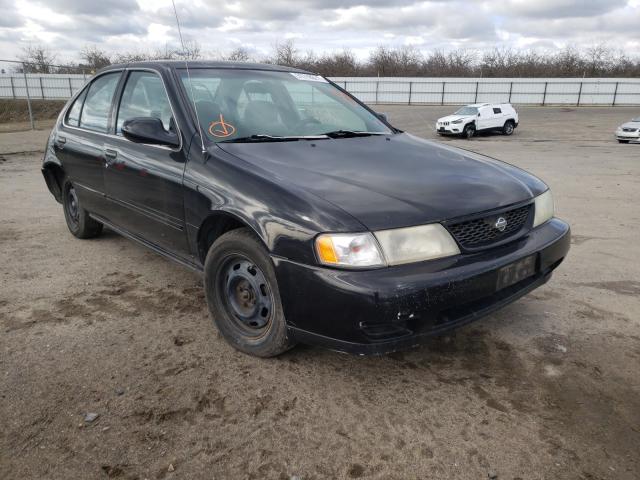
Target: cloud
{"points": [[65, 26]]}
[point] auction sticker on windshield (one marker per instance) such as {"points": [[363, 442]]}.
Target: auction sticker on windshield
{"points": [[309, 78]]}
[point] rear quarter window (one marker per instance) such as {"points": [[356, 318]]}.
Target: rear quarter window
{"points": [[497, 111], [73, 114], [97, 104]]}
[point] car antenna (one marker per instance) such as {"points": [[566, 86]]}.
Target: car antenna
{"points": [[186, 64]]}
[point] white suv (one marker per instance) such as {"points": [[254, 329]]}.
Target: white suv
{"points": [[479, 116]]}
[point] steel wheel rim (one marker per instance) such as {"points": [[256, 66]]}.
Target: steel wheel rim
{"points": [[509, 129], [247, 295], [73, 207]]}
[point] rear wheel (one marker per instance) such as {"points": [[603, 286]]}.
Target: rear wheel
{"points": [[469, 131], [243, 297], [80, 224], [508, 127]]}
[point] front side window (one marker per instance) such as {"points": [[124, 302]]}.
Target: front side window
{"points": [[467, 111], [95, 112], [234, 103], [144, 96]]}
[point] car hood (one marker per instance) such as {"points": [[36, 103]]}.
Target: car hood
{"points": [[391, 181], [451, 118], [630, 125]]}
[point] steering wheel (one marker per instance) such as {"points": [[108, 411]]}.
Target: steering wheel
{"points": [[309, 121]]}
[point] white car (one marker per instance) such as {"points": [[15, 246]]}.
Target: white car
{"points": [[479, 117], [629, 132]]}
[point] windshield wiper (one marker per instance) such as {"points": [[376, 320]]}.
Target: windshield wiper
{"points": [[351, 133], [261, 137]]}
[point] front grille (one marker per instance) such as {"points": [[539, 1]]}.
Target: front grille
{"points": [[481, 232], [629, 130]]}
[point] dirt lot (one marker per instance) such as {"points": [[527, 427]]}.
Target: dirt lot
{"points": [[548, 388]]}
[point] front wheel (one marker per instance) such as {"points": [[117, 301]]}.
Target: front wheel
{"points": [[80, 224], [469, 131], [243, 297]]}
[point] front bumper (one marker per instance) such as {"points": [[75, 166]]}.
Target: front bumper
{"points": [[384, 310], [628, 136], [451, 129]]}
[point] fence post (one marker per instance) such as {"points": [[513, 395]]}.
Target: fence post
{"points": [[41, 88], [13, 90], [410, 92], [615, 95], [544, 95], [442, 97], [510, 91], [26, 87], [579, 94], [377, 87], [71, 88], [476, 99]]}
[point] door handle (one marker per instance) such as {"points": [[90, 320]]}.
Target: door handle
{"points": [[60, 140], [109, 156]]}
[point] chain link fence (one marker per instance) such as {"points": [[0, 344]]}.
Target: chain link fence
{"points": [[32, 99], [32, 95]]}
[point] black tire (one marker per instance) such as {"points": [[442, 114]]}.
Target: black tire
{"points": [[508, 127], [243, 297], [80, 224], [469, 131]]}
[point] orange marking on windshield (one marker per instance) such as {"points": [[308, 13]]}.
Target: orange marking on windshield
{"points": [[220, 128]]}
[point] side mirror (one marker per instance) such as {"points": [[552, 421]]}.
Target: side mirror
{"points": [[478, 114], [383, 117], [149, 130]]}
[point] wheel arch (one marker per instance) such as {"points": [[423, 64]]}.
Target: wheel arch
{"points": [[216, 224], [54, 177]]}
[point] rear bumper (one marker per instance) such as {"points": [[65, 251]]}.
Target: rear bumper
{"points": [[381, 311]]}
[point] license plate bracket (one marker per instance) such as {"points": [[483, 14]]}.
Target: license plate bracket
{"points": [[516, 272]]}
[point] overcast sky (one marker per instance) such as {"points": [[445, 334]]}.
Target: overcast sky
{"points": [[322, 25]]}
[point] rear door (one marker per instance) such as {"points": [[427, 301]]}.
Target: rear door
{"points": [[485, 119], [144, 182], [79, 141]]}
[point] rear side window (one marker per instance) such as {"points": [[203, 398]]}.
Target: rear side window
{"points": [[144, 96], [497, 110], [73, 115], [95, 113]]}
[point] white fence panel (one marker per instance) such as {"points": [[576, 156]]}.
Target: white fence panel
{"points": [[411, 90]]}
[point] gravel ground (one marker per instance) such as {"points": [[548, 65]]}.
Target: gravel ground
{"points": [[547, 388]]}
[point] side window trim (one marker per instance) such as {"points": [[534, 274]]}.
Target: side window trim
{"points": [[117, 96]]}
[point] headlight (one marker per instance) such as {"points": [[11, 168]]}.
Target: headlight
{"points": [[349, 250], [457, 121], [415, 244], [543, 208]]}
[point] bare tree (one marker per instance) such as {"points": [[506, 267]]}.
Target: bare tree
{"points": [[37, 59], [239, 54], [285, 53], [94, 58]]}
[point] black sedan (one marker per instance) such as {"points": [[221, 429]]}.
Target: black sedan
{"points": [[311, 217]]}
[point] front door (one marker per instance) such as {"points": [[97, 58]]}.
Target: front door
{"points": [[144, 182]]}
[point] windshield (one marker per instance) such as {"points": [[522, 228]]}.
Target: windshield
{"points": [[467, 111], [238, 104]]}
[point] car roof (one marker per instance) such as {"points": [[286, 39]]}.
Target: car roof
{"points": [[195, 64], [478, 105]]}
